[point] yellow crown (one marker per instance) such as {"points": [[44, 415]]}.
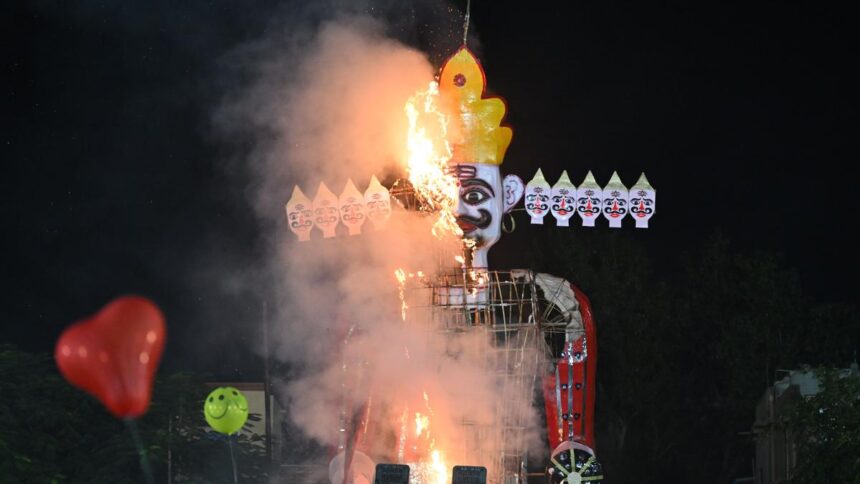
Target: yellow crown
{"points": [[480, 138]]}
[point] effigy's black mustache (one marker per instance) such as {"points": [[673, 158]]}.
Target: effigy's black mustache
{"points": [[481, 222]]}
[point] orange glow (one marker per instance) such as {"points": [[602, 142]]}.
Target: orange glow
{"points": [[421, 423], [400, 274], [439, 471], [431, 467], [419, 444], [428, 155]]}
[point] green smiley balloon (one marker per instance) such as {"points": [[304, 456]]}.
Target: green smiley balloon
{"points": [[226, 410]]}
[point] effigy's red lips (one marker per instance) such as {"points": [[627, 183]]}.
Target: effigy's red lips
{"points": [[466, 227]]}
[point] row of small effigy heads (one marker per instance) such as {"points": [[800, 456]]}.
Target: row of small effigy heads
{"points": [[352, 208], [589, 200], [563, 200]]}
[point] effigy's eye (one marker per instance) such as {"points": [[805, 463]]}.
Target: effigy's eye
{"points": [[474, 197]]}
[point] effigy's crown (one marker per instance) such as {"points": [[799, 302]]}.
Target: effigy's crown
{"points": [[479, 136]]}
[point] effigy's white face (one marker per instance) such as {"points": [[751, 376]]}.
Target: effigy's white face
{"points": [[642, 206], [484, 198]]}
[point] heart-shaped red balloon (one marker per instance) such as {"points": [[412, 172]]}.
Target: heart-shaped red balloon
{"points": [[114, 354]]}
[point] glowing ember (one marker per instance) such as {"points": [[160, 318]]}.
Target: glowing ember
{"points": [[427, 403], [429, 154], [421, 423], [400, 274], [432, 470], [439, 469]]}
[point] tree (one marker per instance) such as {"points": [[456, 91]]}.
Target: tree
{"points": [[828, 428], [639, 432], [687, 346], [53, 432], [745, 314]]}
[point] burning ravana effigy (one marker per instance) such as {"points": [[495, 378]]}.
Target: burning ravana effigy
{"points": [[525, 330]]}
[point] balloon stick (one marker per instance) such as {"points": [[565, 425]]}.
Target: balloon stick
{"points": [[144, 460], [232, 458]]}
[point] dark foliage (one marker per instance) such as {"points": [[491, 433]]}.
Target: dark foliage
{"points": [[53, 432], [687, 347], [829, 427]]}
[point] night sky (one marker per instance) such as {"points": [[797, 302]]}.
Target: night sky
{"points": [[743, 116]]}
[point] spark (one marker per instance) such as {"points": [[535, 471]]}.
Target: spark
{"points": [[400, 274]]}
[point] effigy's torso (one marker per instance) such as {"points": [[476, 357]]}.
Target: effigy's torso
{"points": [[518, 328]]}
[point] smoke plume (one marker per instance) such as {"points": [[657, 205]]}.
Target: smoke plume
{"points": [[325, 102]]}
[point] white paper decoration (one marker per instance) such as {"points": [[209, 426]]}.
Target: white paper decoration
{"points": [[643, 202], [589, 196], [325, 211], [563, 200], [378, 202], [300, 215], [352, 209], [615, 201], [538, 194]]}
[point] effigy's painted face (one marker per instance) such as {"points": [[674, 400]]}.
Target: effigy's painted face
{"points": [[642, 206], [614, 206], [484, 198]]}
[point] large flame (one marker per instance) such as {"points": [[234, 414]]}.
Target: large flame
{"points": [[436, 470], [429, 152], [418, 446]]}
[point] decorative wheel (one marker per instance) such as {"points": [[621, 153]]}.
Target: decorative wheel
{"points": [[573, 463]]}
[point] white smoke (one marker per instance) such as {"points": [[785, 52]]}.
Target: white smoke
{"points": [[327, 103]]}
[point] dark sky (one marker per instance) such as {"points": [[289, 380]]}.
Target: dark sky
{"points": [[742, 115]]}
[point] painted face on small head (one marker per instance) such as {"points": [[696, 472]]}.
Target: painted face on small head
{"points": [[563, 203], [302, 218], [352, 211], [641, 204], [484, 199], [378, 207], [614, 205], [538, 200], [588, 203], [326, 214]]}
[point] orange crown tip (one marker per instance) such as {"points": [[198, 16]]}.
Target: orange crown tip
{"points": [[462, 83]]}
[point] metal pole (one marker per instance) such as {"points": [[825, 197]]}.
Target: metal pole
{"points": [[169, 451], [267, 383], [232, 458]]}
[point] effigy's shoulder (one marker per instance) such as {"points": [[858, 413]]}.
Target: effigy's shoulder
{"points": [[559, 300]]}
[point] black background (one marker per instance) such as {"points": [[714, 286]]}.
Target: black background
{"points": [[743, 116]]}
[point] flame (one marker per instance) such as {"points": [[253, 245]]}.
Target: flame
{"points": [[427, 403], [422, 422], [400, 274], [428, 155], [438, 469]]}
